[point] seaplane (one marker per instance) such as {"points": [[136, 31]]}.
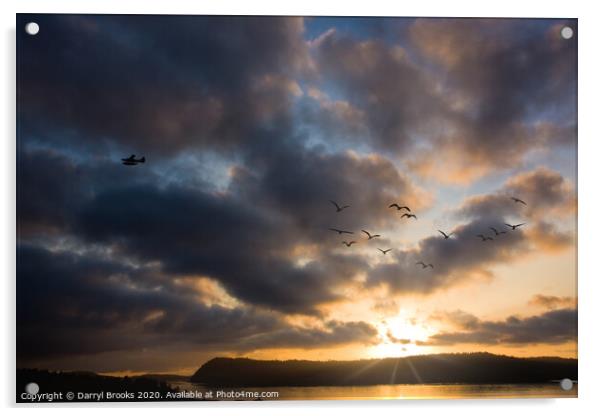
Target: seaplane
{"points": [[132, 161]]}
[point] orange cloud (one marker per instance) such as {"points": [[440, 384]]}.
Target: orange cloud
{"points": [[553, 302], [546, 237]]}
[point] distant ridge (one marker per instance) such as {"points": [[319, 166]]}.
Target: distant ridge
{"points": [[477, 368]]}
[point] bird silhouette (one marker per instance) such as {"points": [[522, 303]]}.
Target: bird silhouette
{"points": [[339, 208], [520, 201], [385, 251], [424, 265], [399, 207], [514, 227], [348, 244], [496, 231], [445, 236], [340, 231], [409, 216], [370, 236], [484, 238]]}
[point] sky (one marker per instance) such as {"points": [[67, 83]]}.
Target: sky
{"points": [[220, 244]]}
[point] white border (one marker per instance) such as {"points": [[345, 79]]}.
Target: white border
{"points": [[590, 209]]}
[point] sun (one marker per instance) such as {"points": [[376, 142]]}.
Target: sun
{"points": [[399, 336]]}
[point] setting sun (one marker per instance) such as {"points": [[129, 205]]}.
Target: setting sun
{"points": [[398, 337]]}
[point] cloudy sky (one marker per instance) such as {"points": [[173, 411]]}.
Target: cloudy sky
{"points": [[220, 244]]}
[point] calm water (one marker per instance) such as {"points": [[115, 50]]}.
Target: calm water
{"points": [[402, 391]]}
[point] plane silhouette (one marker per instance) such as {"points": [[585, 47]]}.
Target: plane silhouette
{"points": [[132, 161]]}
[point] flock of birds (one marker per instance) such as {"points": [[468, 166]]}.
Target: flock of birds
{"points": [[408, 214]]}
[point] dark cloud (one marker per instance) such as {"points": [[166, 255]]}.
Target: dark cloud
{"points": [[248, 237], [78, 304], [43, 202], [478, 93], [505, 69], [392, 93], [462, 257], [548, 195], [546, 192], [156, 84], [510, 86], [192, 233], [552, 327], [245, 248], [51, 188], [300, 183]]}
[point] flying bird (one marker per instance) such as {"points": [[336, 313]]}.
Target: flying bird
{"points": [[399, 208], [132, 161], [339, 208], [496, 231], [340, 231], [520, 201], [514, 227], [370, 236], [348, 244], [445, 236], [424, 265], [385, 251], [484, 238], [406, 215]]}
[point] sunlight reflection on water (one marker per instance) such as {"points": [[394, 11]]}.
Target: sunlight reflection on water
{"points": [[404, 391]]}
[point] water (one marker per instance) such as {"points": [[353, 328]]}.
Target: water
{"points": [[399, 391]]}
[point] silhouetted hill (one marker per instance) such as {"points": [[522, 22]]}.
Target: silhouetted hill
{"points": [[477, 368], [88, 382]]}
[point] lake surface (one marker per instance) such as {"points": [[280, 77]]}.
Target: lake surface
{"points": [[396, 391]]}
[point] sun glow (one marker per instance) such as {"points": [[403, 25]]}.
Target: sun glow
{"points": [[399, 336]]}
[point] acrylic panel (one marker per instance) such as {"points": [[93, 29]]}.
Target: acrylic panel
{"points": [[295, 208]]}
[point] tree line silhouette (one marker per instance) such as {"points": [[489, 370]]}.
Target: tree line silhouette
{"points": [[471, 368]]}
